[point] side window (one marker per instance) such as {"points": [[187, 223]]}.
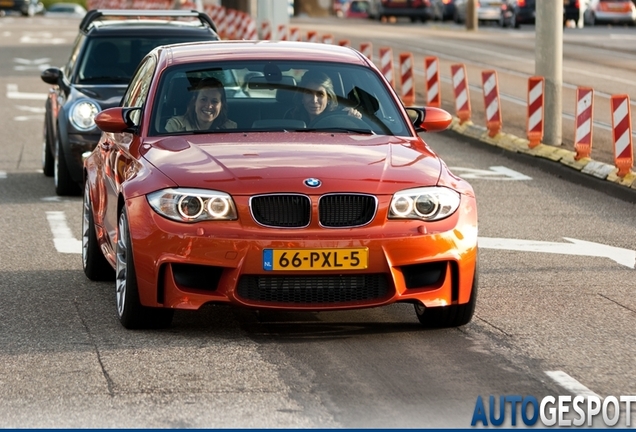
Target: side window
{"points": [[70, 64], [137, 92], [138, 89]]}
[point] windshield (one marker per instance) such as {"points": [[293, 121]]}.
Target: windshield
{"points": [[113, 60], [274, 96]]}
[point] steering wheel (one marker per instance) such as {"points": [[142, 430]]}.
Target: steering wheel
{"points": [[339, 119]]}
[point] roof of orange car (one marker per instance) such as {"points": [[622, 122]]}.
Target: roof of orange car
{"points": [[251, 50]]}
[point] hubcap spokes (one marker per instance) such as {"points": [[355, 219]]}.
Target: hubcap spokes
{"points": [[121, 265], [85, 226]]}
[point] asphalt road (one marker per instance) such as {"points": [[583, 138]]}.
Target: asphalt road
{"points": [[65, 361]]}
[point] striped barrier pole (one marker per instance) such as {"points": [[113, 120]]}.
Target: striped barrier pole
{"points": [[406, 79], [622, 133], [344, 43], [281, 35], [433, 88], [492, 103], [229, 23], [536, 85], [250, 29], [266, 31], [386, 64], [312, 36], [327, 39], [583, 122], [460, 88], [294, 34], [366, 48]]}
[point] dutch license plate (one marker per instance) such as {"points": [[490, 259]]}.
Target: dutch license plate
{"points": [[315, 259]]}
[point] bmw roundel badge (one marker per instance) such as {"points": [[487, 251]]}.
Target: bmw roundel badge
{"points": [[312, 182]]}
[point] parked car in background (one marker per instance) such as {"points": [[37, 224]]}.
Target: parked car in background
{"points": [[356, 9], [517, 12], [415, 10], [488, 11], [610, 12], [275, 209], [66, 10], [24, 7], [104, 57], [443, 10], [573, 10]]}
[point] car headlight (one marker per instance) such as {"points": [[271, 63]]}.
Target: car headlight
{"points": [[82, 114], [193, 205], [426, 203]]}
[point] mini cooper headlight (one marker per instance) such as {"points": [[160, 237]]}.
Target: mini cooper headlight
{"points": [[82, 114], [427, 203], [193, 205]]}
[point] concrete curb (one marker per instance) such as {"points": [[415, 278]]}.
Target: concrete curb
{"points": [[565, 157]]}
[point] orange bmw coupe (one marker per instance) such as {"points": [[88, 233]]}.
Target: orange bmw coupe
{"points": [[274, 175]]}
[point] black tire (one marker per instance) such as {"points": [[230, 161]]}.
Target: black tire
{"points": [[48, 160], [64, 184], [449, 316], [132, 314], [95, 265]]}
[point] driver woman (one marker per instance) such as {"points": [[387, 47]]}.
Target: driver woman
{"points": [[317, 100]]}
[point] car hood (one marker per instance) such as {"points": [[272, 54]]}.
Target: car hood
{"points": [[241, 163], [106, 95]]}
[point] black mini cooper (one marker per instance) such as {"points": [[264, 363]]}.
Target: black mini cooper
{"points": [[105, 55]]}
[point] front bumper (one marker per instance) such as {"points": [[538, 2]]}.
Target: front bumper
{"points": [[184, 266], [78, 145]]}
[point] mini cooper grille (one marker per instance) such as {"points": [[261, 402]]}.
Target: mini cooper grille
{"points": [[284, 211], [339, 211], [313, 289]]}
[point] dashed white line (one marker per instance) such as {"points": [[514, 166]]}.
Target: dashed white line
{"points": [[3, 175], [13, 93], [570, 384], [62, 235]]}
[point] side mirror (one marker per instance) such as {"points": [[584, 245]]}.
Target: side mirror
{"points": [[118, 119], [52, 76], [429, 119]]}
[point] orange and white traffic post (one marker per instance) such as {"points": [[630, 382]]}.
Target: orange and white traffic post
{"points": [[462, 95], [366, 48], [294, 34], [312, 36], [406, 79], [583, 122], [386, 64], [536, 85], [622, 133], [433, 88], [282, 32], [266, 31], [327, 39], [492, 104], [344, 42]]}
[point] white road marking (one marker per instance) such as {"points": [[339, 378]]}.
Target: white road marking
{"points": [[13, 93], [570, 384], [495, 173], [36, 64], [41, 39], [62, 235], [626, 257], [3, 175], [38, 110]]}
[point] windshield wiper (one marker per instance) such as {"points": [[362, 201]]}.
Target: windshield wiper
{"points": [[338, 130]]}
